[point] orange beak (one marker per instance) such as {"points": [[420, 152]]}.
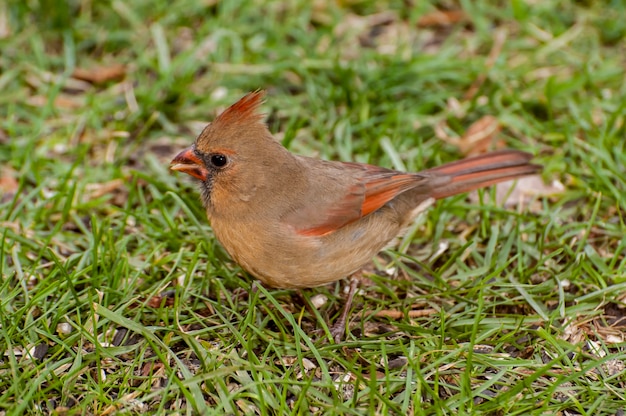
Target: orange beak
{"points": [[187, 162]]}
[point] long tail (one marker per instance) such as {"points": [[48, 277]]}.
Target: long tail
{"points": [[480, 171]]}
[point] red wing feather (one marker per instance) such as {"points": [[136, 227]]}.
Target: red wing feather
{"points": [[382, 190], [376, 187], [334, 217]]}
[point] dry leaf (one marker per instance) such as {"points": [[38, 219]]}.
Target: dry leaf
{"points": [[397, 314], [100, 74], [383, 31], [573, 333], [60, 101], [42, 79], [441, 18], [162, 300], [614, 366], [5, 26], [391, 38], [286, 361], [96, 190], [116, 189], [480, 137], [8, 183]]}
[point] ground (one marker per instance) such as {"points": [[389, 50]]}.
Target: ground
{"points": [[116, 299]]}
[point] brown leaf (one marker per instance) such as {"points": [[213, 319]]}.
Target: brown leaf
{"points": [[5, 26], [383, 31], [96, 190], [162, 300], [8, 184], [398, 314], [441, 18], [60, 101], [100, 74], [151, 368], [480, 137], [377, 375]]}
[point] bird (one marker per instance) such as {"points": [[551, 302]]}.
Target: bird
{"points": [[296, 222]]}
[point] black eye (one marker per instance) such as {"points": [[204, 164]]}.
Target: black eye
{"points": [[219, 160]]}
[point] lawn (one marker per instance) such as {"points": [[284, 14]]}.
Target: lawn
{"points": [[116, 298]]}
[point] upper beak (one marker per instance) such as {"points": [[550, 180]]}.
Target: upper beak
{"points": [[187, 162]]}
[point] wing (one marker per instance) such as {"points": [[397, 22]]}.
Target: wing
{"points": [[349, 192]]}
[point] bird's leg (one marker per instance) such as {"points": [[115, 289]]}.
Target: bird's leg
{"points": [[338, 329]]}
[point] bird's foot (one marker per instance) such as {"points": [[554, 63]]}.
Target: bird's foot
{"points": [[338, 329]]}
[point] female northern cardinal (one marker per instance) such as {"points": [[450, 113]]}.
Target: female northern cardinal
{"points": [[298, 222]]}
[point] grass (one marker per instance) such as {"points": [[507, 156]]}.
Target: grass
{"points": [[116, 299]]}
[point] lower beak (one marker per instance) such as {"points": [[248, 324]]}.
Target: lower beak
{"points": [[188, 162]]}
